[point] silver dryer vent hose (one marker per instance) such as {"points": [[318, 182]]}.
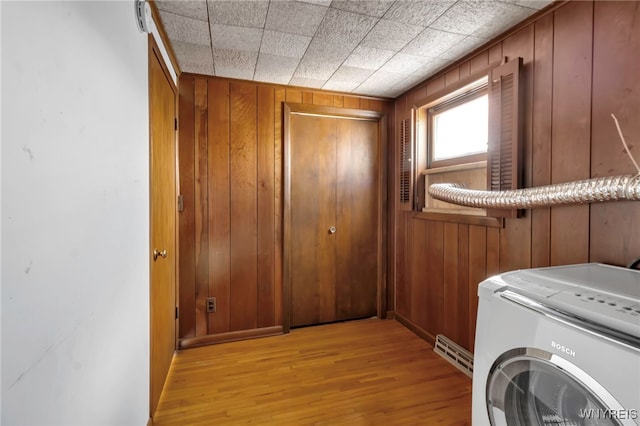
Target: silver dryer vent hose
{"points": [[613, 188]]}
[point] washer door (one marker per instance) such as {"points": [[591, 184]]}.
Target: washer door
{"points": [[531, 387]]}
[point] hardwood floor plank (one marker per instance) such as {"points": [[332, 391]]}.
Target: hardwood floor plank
{"points": [[359, 372]]}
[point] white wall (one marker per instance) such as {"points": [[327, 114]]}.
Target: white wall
{"points": [[75, 226]]}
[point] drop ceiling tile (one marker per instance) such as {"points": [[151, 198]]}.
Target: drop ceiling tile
{"points": [[185, 29], [420, 13], [294, 17], [340, 86], [403, 63], [465, 46], [234, 63], [383, 79], [431, 67], [316, 69], [507, 16], [307, 82], [194, 58], [239, 13], [351, 74], [328, 52], [375, 8], [465, 17], [372, 88], [345, 28], [284, 44], [190, 9], [236, 38], [432, 43], [275, 69], [391, 35], [368, 57]]}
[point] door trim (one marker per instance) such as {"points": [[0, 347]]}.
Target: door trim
{"points": [[355, 114]]}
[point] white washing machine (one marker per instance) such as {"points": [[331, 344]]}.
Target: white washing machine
{"points": [[558, 346]]}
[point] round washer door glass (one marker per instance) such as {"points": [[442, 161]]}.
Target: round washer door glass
{"points": [[530, 387]]}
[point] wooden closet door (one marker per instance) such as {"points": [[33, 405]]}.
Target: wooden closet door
{"points": [[357, 219], [334, 184], [313, 212]]}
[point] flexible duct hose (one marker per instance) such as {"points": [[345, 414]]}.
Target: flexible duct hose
{"points": [[612, 188]]}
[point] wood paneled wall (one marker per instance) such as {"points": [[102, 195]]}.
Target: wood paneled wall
{"points": [[580, 65], [231, 164]]}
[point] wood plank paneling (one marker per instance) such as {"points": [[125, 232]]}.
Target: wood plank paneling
{"points": [[480, 62], [465, 70], [320, 98], [186, 219], [452, 77], [307, 97], [495, 55], [418, 273], [243, 250], [450, 288], [376, 105], [219, 216], [293, 96], [415, 96], [515, 239], [434, 277], [493, 251], [266, 208], [477, 273], [351, 102], [541, 138], [615, 227], [571, 155], [462, 297], [201, 205], [435, 86], [402, 259]]}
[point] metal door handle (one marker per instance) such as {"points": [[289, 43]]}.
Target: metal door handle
{"points": [[162, 254], [332, 230]]}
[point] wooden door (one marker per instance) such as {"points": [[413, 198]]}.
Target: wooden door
{"points": [[333, 215], [357, 218], [162, 101]]}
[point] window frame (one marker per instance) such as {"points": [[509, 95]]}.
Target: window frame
{"points": [[422, 149]]}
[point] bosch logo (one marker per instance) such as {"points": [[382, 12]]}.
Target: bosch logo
{"points": [[563, 348]]}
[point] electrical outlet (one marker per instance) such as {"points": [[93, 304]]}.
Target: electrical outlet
{"points": [[211, 304]]}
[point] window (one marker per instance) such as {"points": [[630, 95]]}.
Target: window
{"points": [[456, 134], [469, 133], [458, 128]]}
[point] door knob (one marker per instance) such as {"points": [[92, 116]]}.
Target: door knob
{"points": [[156, 253], [332, 230]]}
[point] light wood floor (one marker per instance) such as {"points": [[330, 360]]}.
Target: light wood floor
{"points": [[365, 372]]}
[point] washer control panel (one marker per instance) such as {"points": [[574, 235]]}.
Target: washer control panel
{"points": [[600, 293]]}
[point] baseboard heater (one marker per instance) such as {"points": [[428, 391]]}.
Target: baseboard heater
{"points": [[455, 354]]}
